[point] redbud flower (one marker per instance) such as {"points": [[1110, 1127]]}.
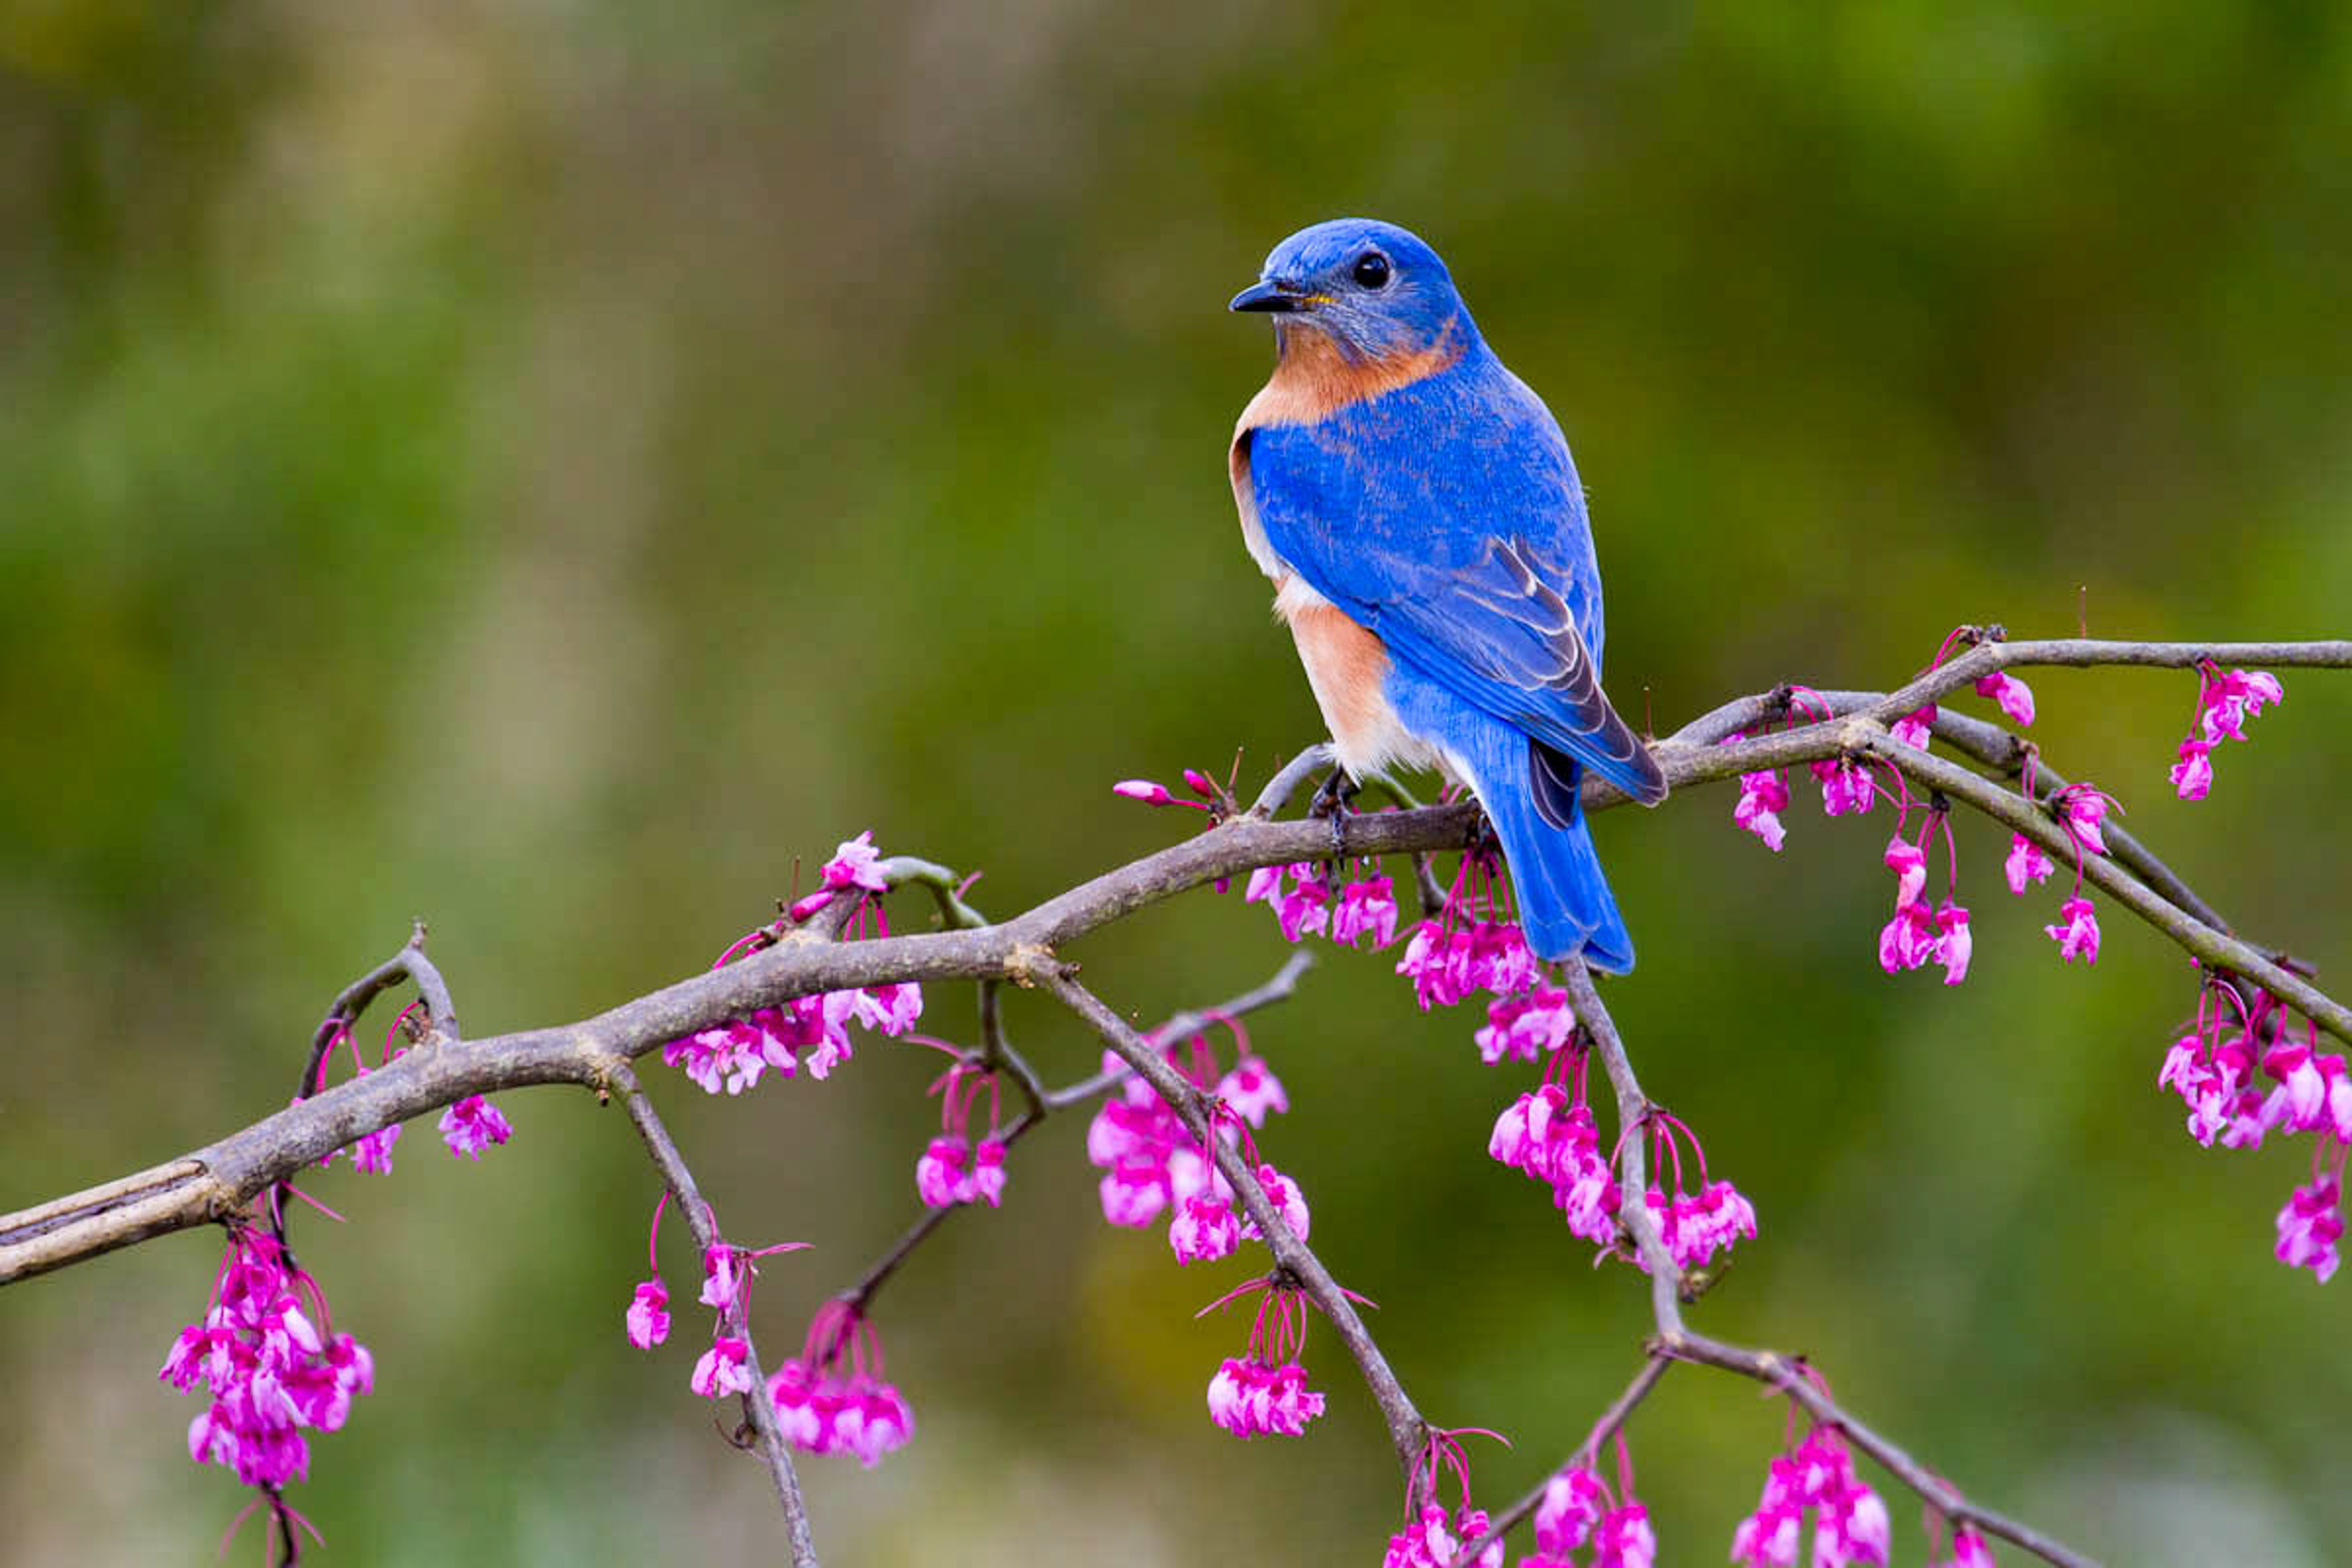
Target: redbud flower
{"points": [[2011, 694], [272, 1373], [1144, 790], [721, 1370], [1624, 1538], [1204, 1229], [856, 864], [2192, 775], [1574, 1501], [1253, 1090], [1908, 940], [831, 1398], [2025, 864], [2227, 701], [2310, 1225], [1763, 796], [2083, 809], [1366, 909], [890, 1010], [1528, 1026], [939, 1176], [474, 1124], [1286, 1200], [1263, 1391], [986, 1184], [1845, 786], [2078, 938], [1956, 944], [1917, 728], [649, 1315], [1909, 864], [1969, 1550], [373, 1152]]}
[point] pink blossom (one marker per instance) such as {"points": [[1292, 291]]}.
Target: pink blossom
{"points": [[889, 1009], [270, 1371], [1909, 864], [1251, 1399], [2083, 808], [648, 1318], [1144, 790], [1914, 728], [1134, 1194], [856, 864], [1770, 1537], [2078, 937], [2012, 696], [1624, 1538], [2309, 1227], [1845, 786], [1969, 1550], [1956, 944], [832, 1399], [2192, 775], [1306, 908], [1204, 1229], [939, 1175], [1695, 1229], [471, 1125], [1574, 1501], [1366, 909], [1253, 1090], [2025, 864], [2299, 1103], [1528, 1026], [373, 1152], [1286, 1200], [986, 1184], [1265, 885], [725, 1276], [1909, 940], [2225, 702], [1763, 796], [721, 1370]]}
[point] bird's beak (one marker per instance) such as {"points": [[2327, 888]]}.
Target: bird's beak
{"points": [[1272, 294]]}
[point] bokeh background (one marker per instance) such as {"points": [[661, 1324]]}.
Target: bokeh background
{"points": [[547, 467]]}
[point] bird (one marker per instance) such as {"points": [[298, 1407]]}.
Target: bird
{"points": [[1416, 508]]}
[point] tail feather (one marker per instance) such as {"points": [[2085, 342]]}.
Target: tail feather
{"points": [[1565, 904]]}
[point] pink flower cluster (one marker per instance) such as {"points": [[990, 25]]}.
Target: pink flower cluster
{"points": [[1252, 1399], [1152, 1164], [1693, 1227], [832, 1399], [1301, 899], [2212, 1068], [472, 1125], [1263, 1392], [1849, 1521], [1578, 1511], [951, 1170], [272, 1372], [1969, 1550], [811, 1032], [2224, 702], [1550, 1136], [1472, 946], [1916, 935]]}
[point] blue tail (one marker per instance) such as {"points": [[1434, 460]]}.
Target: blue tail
{"points": [[1564, 900]]}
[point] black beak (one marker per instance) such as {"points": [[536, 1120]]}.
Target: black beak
{"points": [[1272, 294]]}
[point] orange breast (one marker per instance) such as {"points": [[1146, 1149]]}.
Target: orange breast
{"points": [[1345, 665]]}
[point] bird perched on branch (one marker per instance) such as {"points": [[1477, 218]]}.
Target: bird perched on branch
{"points": [[1416, 508]]}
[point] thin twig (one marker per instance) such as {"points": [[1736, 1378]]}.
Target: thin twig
{"points": [[758, 1411], [1406, 1430]]}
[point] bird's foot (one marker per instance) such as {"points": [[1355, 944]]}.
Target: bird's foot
{"points": [[1334, 800]]}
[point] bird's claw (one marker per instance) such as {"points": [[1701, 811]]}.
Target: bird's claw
{"points": [[1332, 800]]}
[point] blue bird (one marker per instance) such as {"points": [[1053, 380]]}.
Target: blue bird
{"points": [[1416, 508]]}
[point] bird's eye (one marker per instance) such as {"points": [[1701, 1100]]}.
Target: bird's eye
{"points": [[1372, 269]]}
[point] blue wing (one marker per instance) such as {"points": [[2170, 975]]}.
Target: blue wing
{"points": [[1446, 516]]}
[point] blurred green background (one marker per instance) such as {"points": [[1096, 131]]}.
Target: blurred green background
{"points": [[547, 467]]}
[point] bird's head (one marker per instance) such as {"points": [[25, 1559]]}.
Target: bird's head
{"points": [[1373, 289]]}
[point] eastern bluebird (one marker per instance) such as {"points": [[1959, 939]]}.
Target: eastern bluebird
{"points": [[1416, 508]]}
